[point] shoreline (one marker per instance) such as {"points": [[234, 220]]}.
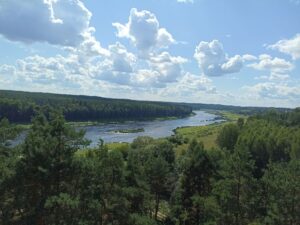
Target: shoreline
{"points": [[26, 126], [221, 117]]}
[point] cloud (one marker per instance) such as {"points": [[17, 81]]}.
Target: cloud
{"points": [[185, 1], [274, 90], [193, 83], [169, 67], [278, 76], [160, 70], [155, 66], [119, 66], [70, 72], [57, 70], [274, 77], [7, 74], [147, 78], [156, 71], [288, 46], [89, 47], [88, 68], [65, 23], [214, 62], [248, 57], [190, 87], [122, 60], [144, 31], [86, 59], [58, 75], [278, 65]]}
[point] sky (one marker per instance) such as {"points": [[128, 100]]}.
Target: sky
{"points": [[229, 52]]}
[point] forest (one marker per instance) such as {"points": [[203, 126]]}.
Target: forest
{"points": [[250, 177], [19, 107], [244, 110]]}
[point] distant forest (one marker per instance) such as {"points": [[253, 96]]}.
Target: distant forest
{"points": [[245, 110], [19, 107]]}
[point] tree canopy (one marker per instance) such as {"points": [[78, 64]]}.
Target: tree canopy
{"points": [[252, 178]]}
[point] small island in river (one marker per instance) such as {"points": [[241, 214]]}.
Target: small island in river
{"points": [[126, 131]]}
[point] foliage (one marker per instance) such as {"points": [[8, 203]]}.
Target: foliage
{"points": [[20, 107], [228, 136], [252, 178], [281, 182]]}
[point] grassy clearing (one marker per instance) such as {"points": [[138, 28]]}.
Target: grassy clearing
{"points": [[207, 134], [117, 146], [232, 117], [23, 126]]}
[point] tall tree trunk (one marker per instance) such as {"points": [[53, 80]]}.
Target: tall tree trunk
{"points": [[156, 206]]}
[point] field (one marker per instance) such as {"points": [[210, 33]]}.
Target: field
{"points": [[208, 134]]}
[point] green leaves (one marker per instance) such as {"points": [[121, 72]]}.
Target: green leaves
{"points": [[228, 136], [193, 187], [282, 182], [45, 172], [50, 180], [234, 190]]}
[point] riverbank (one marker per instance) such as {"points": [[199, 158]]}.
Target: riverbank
{"points": [[201, 125], [208, 133], [26, 126]]}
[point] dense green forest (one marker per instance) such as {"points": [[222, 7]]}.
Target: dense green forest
{"points": [[19, 107], [244, 110], [251, 178]]}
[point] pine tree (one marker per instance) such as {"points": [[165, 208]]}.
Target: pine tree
{"points": [[45, 172], [8, 159], [190, 199], [282, 184], [235, 187]]}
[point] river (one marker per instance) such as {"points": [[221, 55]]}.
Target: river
{"points": [[156, 129]]}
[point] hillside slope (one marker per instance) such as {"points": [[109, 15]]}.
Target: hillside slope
{"points": [[19, 106]]}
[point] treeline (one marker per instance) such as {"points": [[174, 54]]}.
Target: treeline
{"points": [[287, 118], [244, 110], [19, 107], [252, 178]]}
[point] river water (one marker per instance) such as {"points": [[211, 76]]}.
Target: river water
{"points": [[156, 129]]}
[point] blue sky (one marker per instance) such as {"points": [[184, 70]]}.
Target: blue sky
{"points": [[211, 51]]}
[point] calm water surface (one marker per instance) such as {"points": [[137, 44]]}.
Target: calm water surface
{"points": [[155, 129]]}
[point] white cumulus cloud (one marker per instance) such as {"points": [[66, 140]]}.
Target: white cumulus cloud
{"points": [[214, 62], [58, 22], [144, 31], [169, 67], [248, 57], [266, 62], [272, 90], [185, 1], [190, 86], [288, 46]]}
